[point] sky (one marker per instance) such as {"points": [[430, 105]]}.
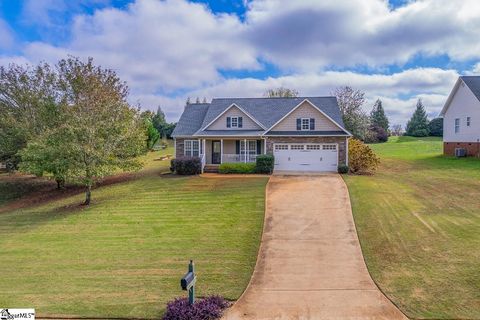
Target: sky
{"points": [[397, 51]]}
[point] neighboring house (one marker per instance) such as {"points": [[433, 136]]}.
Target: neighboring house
{"points": [[304, 134], [461, 117]]}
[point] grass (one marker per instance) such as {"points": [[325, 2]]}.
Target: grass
{"points": [[418, 220], [125, 254]]}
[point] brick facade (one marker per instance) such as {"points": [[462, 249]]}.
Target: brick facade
{"points": [[341, 141], [473, 148]]}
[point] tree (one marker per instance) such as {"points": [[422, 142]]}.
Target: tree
{"points": [[350, 102], [99, 132], [152, 133], [397, 130], [159, 122], [361, 158], [435, 126], [378, 117], [28, 106], [417, 126], [281, 92]]}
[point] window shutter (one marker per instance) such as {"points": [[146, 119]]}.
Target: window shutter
{"points": [[240, 122], [259, 146], [229, 121], [299, 124], [312, 123], [237, 146]]}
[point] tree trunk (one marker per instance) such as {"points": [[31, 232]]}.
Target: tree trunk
{"points": [[88, 195], [60, 183]]}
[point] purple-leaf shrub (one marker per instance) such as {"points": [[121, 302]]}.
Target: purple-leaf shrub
{"points": [[205, 309]]}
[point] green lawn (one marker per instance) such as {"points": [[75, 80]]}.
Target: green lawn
{"points": [[418, 221], [124, 256]]}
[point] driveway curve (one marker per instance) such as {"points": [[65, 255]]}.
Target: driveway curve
{"points": [[310, 264]]}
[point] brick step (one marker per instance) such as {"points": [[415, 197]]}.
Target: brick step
{"points": [[210, 169]]}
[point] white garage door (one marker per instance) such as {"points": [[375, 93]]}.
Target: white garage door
{"points": [[305, 157]]}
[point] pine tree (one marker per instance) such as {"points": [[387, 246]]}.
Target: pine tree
{"points": [[417, 126], [378, 117]]}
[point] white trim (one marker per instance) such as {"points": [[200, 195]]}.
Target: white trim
{"points": [[301, 124], [297, 106], [346, 154], [191, 151], [223, 112], [451, 95], [221, 151]]}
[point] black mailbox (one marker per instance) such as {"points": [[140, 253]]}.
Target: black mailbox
{"points": [[187, 281]]}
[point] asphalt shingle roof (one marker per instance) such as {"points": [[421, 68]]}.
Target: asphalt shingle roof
{"points": [[266, 111], [473, 82], [191, 119]]}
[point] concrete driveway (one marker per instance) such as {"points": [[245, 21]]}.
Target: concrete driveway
{"points": [[310, 263]]}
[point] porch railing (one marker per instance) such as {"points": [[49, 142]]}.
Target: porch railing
{"points": [[239, 157], [203, 161]]}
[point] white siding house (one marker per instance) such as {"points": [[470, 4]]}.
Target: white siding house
{"points": [[461, 117]]}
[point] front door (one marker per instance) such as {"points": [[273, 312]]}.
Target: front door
{"points": [[216, 152]]}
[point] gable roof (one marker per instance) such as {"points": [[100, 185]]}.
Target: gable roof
{"points": [[233, 105], [191, 119], [472, 82], [267, 111]]}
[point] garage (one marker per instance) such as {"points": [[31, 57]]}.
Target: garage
{"points": [[320, 157]]}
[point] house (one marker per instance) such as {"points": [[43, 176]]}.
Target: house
{"points": [[461, 117], [303, 133]]}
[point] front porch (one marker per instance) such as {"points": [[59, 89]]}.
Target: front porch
{"points": [[218, 151]]}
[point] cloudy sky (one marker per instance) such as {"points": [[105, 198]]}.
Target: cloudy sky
{"points": [[397, 50]]}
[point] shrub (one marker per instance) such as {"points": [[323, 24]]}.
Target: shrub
{"points": [[264, 163], [186, 165], [237, 167], [376, 134], [361, 158], [205, 309], [343, 168]]}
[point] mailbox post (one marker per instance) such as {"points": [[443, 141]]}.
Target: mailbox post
{"points": [[188, 282]]}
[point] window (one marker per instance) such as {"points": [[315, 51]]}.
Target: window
{"points": [[234, 122], [191, 148], [313, 147], [468, 121], [281, 147], [457, 125], [296, 147], [329, 147], [305, 123]]}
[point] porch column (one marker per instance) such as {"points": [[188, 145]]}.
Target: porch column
{"points": [[245, 148], [221, 150]]}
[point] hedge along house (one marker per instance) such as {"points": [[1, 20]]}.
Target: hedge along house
{"points": [[461, 118], [303, 133]]}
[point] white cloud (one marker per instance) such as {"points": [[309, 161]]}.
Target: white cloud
{"points": [[6, 35], [168, 50], [312, 34], [158, 45], [399, 92]]}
